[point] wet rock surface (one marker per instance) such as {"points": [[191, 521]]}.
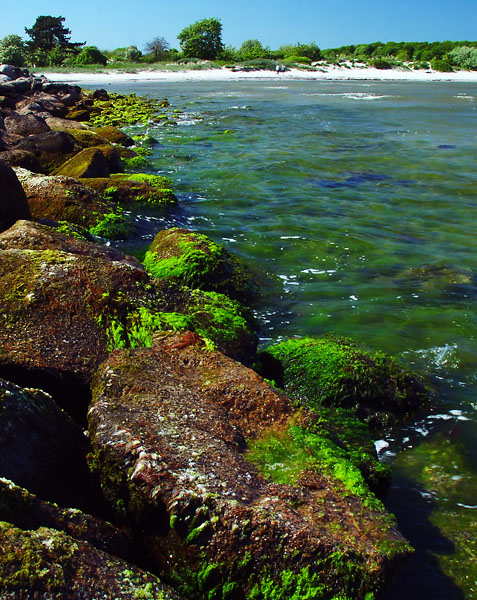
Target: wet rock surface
{"points": [[45, 564], [170, 427]]}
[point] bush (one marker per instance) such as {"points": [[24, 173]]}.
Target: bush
{"points": [[379, 63], [464, 57], [260, 63], [91, 55], [302, 60], [442, 66]]}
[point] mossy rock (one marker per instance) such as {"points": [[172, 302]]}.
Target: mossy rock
{"points": [[67, 303], [81, 115], [194, 260], [46, 563], [63, 199], [127, 190], [173, 430], [90, 162], [120, 110], [114, 135], [87, 138], [334, 371]]}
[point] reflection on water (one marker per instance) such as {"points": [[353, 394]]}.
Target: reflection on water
{"points": [[356, 201]]}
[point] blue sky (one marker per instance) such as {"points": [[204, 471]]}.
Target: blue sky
{"points": [[329, 23]]}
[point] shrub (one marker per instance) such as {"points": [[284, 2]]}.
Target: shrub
{"points": [[442, 66], [464, 57], [260, 63], [91, 55], [12, 51], [302, 60], [379, 63]]}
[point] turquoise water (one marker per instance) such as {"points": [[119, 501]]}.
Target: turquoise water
{"points": [[356, 204]]}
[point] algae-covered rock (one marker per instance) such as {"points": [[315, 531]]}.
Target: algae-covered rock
{"points": [[66, 304], [175, 430], [27, 511], [86, 138], [334, 371], [62, 199], [44, 564], [41, 447], [114, 135], [126, 190], [90, 162], [13, 201], [52, 148], [195, 260]]}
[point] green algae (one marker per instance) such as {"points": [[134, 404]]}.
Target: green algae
{"points": [[72, 230], [282, 456], [196, 261], [336, 371], [120, 110], [158, 181], [113, 226], [136, 162]]}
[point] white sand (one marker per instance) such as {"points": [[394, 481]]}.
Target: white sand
{"points": [[223, 74]]}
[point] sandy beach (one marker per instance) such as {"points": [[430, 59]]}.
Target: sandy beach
{"points": [[224, 74]]}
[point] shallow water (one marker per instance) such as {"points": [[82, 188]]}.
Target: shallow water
{"points": [[356, 202]]}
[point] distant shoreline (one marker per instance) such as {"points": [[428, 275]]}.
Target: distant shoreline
{"points": [[332, 73]]}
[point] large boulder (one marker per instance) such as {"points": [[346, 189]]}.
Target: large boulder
{"points": [[51, 148], [136, 189], [27, 124], [90, 162], [195, 260], [64, 310], [44, 563], [334, 371], [13, 72], [114, 135], [238, 495], [41, 448], [62, 199], [13, 201]]}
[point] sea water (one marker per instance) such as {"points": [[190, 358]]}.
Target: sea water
{"points": [[355, 203]]}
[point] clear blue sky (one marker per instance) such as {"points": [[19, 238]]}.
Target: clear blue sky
{"points": [[329, 23]]}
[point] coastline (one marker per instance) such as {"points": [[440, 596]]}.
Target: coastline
{"points": [[333, 73]]}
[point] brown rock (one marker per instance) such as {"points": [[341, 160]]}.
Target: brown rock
{"points": [[13, 201], [21, 158], [45, 564], [171, 427], [51, 148], [62, 199], [24, 125]]}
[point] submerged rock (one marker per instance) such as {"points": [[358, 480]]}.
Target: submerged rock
{"points": [[334, 371], [175, 429], [45, 564], [195, 260], [66, 304], [13, 201]]}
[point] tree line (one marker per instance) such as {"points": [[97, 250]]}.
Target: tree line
{"points": [[49, 44]]}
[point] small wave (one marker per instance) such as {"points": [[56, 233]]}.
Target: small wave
{"points": [[439, 356], [352, 95], [465, 97]]}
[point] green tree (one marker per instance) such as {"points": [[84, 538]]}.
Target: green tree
{"points": [[12, 50], [158, 47], [202, 39], [464, 57], [48, 32], [91, 55], [251, 49]]}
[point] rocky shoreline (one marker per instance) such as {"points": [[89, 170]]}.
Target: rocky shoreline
{"points": [[207, 470]]}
